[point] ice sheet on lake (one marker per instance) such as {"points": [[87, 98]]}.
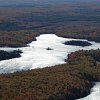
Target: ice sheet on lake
{"points": [[36, 55]]}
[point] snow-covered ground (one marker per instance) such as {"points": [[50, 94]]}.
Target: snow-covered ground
{"points": [[36, 55]]}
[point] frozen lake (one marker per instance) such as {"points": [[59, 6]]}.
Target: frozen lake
{"points": [[36, 55]]}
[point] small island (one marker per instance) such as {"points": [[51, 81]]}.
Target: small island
{"points": [[78, 43], [49, 48], [4, 55]]}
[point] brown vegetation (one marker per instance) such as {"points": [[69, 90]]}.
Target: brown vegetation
{"points": [[62, 82], [16, 38], [66, 20]]}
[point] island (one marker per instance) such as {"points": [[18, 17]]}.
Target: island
{"points": [[49, 48], [78, 43], [4, 55]]}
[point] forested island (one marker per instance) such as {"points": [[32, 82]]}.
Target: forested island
{"points": [[78, 43], [4, 55]]}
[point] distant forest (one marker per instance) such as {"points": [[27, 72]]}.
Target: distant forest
{"points": [[71, 20]]}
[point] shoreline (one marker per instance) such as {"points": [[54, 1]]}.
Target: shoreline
{"points": [[38, 34], [74, 37]]}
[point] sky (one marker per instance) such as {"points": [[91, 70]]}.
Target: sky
{"points": [[32, 2]]}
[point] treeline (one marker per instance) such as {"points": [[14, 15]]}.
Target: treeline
{"points": [[62, 82], [9, 55], [17, 38], [95, 55]]}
